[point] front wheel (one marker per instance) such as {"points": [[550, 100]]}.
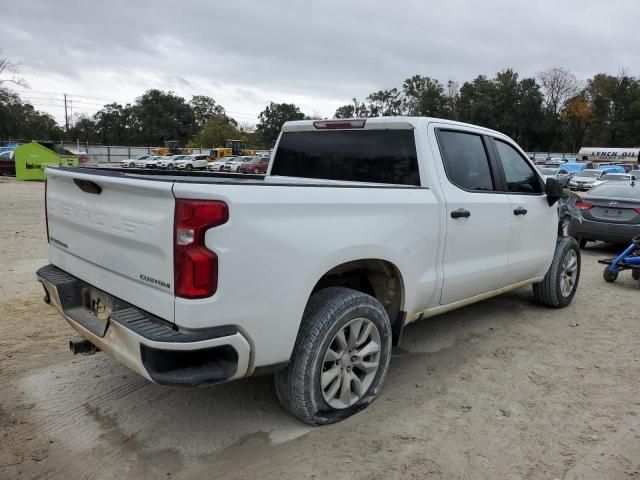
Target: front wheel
{"points": [[188, 166], [608, 275], [559, 285], [340, 358]]}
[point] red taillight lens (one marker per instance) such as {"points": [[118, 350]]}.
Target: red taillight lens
{"points": [[333, 124], [195, 266], [583, 205], [637, 210], [46, 214]]}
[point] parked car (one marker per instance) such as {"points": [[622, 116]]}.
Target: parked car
{"points": [[256, 165], [610, 211], [7, 163], [558, 173], [583, 180], [234, 164], [573, 168], [169, 162], [149, 162], [216, 165], [131, 162], [620, 177], [192, 162], [175, 290]]}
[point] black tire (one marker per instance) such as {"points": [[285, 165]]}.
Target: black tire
{"points": [[635, 274], [188, 166], [549, 292], [132, 165], [608, 275], [170, 166], [583, 243], [327, 311]]}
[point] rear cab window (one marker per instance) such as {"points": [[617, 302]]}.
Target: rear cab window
{"points": [[371, 156]]}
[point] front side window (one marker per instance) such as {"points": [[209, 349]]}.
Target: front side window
{"points": [[372, 156], [465, 160], [520, 176]]}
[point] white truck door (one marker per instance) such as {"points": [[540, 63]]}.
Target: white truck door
{"points": [[478, 217], [534, 224]]}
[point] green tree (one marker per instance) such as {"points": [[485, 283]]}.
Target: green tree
{"points": [[274, 116], [385, 103], [205, 108], [425, 96], [215, 132], [113, 124], [158, 116], [84, 130], [356, 109]]}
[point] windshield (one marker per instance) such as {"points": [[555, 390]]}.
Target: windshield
{"points": [[548, 171], [590, 173], [617, 190]]}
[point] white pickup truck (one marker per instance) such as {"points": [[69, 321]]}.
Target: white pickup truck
{"points": [[359, 228]]}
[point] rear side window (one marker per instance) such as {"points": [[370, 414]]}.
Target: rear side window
{"points": [[373, 156], [616, 191], [520, 176], [465, 160]]}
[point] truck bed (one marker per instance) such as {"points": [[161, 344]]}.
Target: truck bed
{"points": [[186, 176]]}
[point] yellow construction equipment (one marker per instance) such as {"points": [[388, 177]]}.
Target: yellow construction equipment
{"points": [[171, 147], [231, 148]]}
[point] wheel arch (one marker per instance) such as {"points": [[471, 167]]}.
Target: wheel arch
{"points": [[377, 277]]}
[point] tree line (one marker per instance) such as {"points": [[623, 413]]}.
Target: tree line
{"points": [[554, 111]]}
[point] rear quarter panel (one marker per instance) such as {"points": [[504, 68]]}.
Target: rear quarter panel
{"points": [[280, 240]]}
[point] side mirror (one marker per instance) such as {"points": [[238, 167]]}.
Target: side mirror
{"points": [[554, 190]]}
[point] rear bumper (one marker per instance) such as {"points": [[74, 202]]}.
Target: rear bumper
{"points": [[148, 345], [608, 232]]}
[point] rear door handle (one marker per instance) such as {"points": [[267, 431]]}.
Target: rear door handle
{"points": [[460, 213], [520, 211]]}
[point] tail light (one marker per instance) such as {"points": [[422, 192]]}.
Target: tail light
{"points": [[195, 266], [583, 205], [637, 210], [46, 213]]}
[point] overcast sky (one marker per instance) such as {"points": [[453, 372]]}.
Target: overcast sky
{"points": [[316, 54]]}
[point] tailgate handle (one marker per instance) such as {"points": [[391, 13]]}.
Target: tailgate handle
{"points": [[88, 186]]}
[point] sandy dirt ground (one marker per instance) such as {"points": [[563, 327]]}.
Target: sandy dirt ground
{"points": [[504, 389]]}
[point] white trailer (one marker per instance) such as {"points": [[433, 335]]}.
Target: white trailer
{"points": [[613, 155]]}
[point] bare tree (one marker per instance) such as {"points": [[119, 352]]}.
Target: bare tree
{"points": [[8, 66], [558, 86]]}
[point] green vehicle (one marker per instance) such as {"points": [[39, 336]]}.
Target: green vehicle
{"points": [[33, 158]]}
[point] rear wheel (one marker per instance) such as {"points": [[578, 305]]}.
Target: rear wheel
{"points": [[169, 166], [188, 166], [340, 358], [256, 171], [559, 285], [132, 165]]}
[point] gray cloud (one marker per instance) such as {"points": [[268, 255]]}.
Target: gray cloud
{"points": [[316, 54]]}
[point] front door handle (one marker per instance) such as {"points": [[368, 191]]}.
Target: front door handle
{"points": [[520, 211], [460, 213]]}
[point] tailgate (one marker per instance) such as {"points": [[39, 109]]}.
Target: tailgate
{"points": [[115, 233]]}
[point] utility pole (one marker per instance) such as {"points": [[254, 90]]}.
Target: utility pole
{"points": [[66, 118]]}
